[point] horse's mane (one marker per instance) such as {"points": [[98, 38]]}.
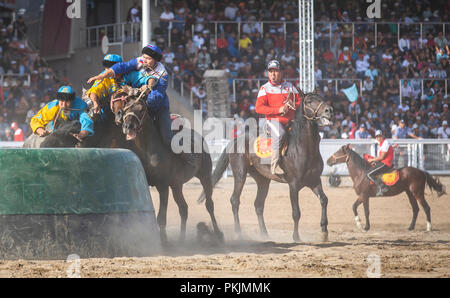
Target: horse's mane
{"points": [[300, 120], [360, 162]]}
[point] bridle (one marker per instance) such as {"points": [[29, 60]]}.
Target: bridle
{"points": [[315, 112], [341, 156], [133, 114], [123, 98]]}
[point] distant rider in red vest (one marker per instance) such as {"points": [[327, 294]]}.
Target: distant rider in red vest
{"points": [[272, 102], [382, 163]]}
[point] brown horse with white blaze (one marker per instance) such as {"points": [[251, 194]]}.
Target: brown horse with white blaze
{"points": [[411, 180]]}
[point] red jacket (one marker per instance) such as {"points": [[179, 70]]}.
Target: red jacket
{"points": [[272, 97]]}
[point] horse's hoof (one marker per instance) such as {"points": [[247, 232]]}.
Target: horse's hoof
{"points": [[220, 237], [296, 238], [358, 223], [429, 227], [411, 229], [366, 229], [324, 237]]}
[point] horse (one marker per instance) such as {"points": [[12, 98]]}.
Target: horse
{"points": [[62, 137], [410, 180], [163, 168], [302, 165]]}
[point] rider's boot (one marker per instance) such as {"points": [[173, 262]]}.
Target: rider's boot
{"points": [[381, 187], [274, 166]]}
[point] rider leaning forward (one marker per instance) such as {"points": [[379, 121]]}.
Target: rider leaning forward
{"points": [[66, 107], [148, 73], [273, 101], [106, 87]]}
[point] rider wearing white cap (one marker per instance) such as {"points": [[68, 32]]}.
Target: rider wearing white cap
{"points": [[382, 163], [272, 102]]}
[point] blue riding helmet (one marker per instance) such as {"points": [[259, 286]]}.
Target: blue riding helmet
{"points": [[153, 51], [111, 59], [65, 93]]}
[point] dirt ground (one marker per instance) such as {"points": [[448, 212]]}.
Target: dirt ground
{"points": [[348, 253]]}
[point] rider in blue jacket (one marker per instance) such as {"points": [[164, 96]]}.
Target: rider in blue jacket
{"points": [[147, 70]]}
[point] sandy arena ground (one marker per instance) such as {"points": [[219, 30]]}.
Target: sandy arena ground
{"points": [[402, 253]]}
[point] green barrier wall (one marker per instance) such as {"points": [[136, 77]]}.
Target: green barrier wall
{"points": [[90, 202], [71, 181]]}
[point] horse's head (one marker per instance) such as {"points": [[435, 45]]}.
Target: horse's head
{"points": [[134, 115], [340, 156], [315, 109], [119, 99]]}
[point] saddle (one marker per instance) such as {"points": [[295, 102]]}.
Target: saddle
{"points": [[263, 146], [390, 178]]}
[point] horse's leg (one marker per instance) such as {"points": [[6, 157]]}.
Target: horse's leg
{"points": [[355, 212], [426, 208], [415, 209], [261, 195], [177, 191], [240, 175], [318, 191], [208, 189], [162, 213], [293, 194], [366, 212]]}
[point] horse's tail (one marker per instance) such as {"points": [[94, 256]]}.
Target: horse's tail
{"points": [[221, 166], [435, 184]]}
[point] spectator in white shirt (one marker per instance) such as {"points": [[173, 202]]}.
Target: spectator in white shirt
{"points": [[404, 43], [230, 11], [406, 90], [443, 131], [361, 66], [166, 18], [198, 40], [368, 84], [440, 40], [404, 107]]}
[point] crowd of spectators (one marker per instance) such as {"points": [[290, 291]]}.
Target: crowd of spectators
{"points": [[387, 66], [26, 82], [400, 74]]}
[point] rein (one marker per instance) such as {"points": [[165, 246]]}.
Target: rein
{"points": [[341, 156]]}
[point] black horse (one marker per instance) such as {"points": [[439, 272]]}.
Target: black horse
{"points": [[302, 165], [107, 134], [62, 137], [162, 167]]}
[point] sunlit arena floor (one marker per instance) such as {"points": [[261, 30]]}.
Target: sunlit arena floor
{"points": [[387, 250]]}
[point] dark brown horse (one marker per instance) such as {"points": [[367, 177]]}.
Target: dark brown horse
{"points": [[302, 165], [163, 168], [411, 180]]}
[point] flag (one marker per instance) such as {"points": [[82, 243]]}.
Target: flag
{"points": [[351, 93]]}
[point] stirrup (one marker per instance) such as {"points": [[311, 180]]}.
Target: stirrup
{"points": [[381, 190]]}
